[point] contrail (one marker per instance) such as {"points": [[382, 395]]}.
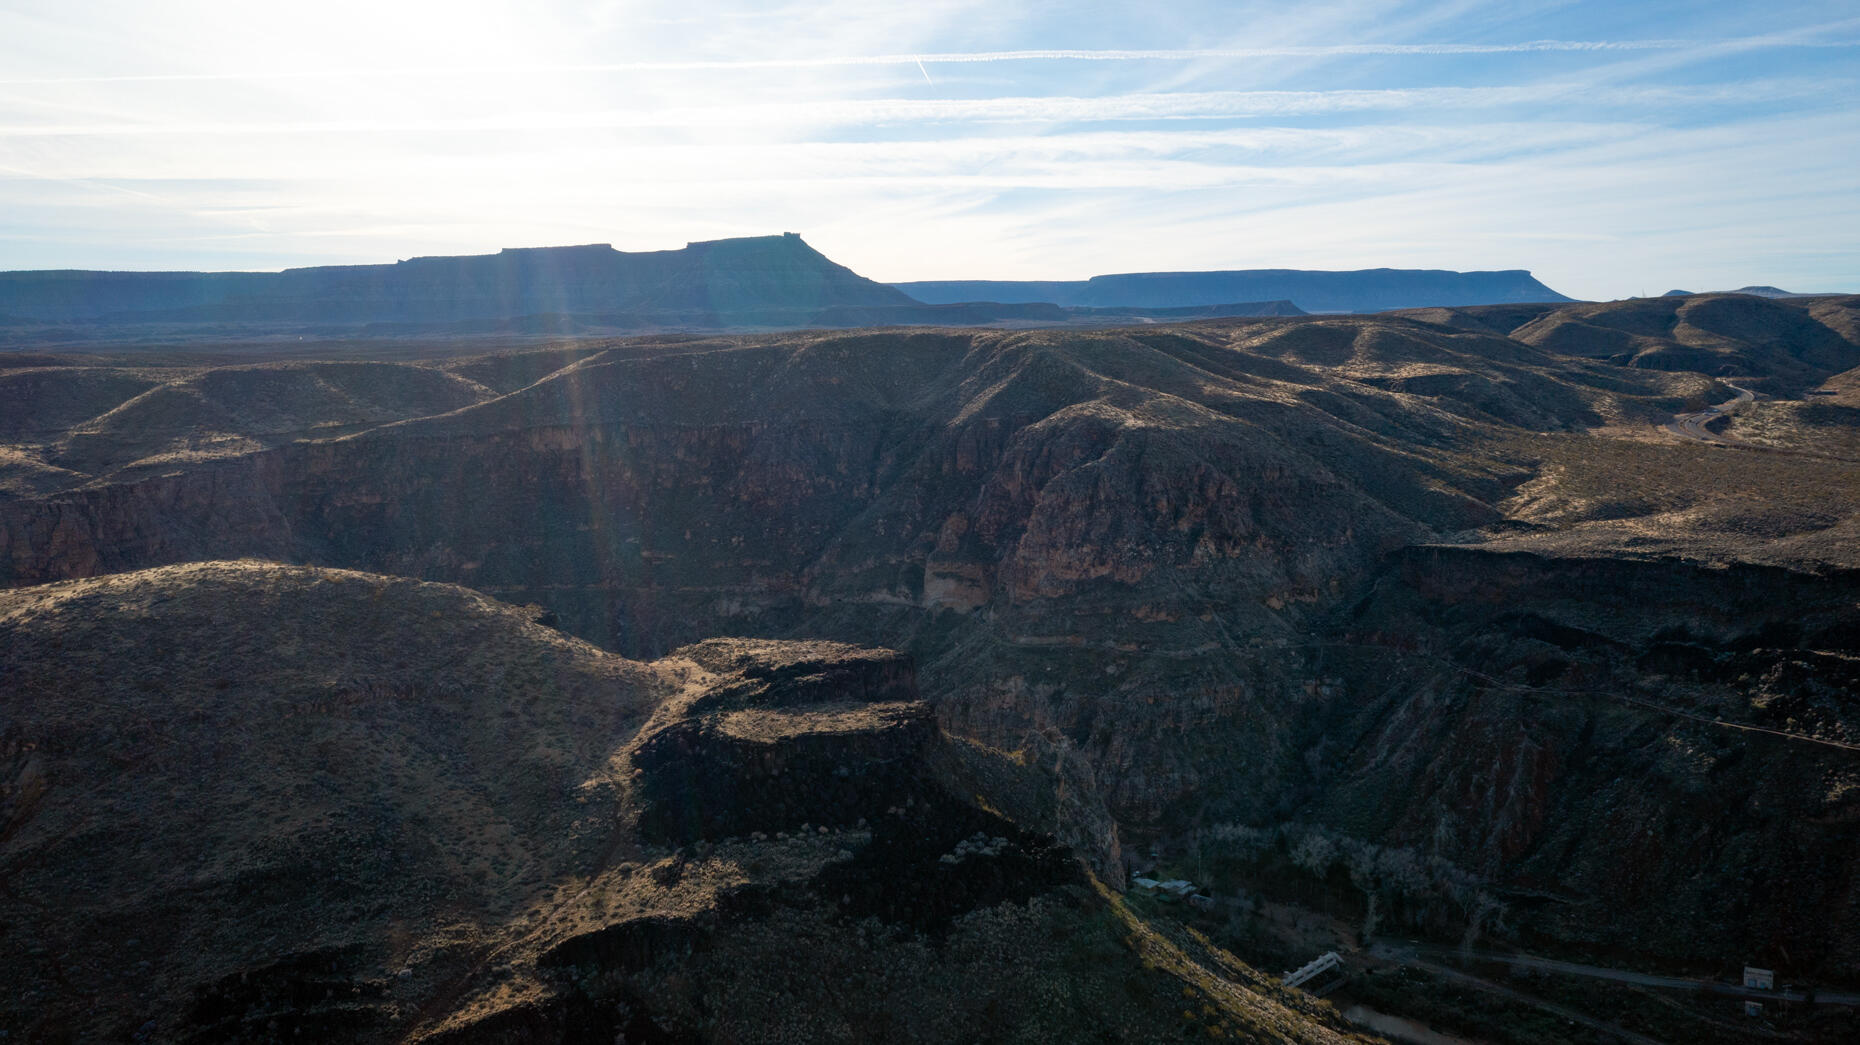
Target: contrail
{"points": [[965, 57], [926, 72]]}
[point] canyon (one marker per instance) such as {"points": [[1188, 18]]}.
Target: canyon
{"points": [[1424, 619]]}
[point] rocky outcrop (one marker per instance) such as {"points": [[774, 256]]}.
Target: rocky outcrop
{"points": [[795, 740]]}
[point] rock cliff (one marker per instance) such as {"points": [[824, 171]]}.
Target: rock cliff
{"points": [[1676, 774]]}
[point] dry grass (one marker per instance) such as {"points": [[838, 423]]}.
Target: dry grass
{"points": [[303, 757], [1650, 495]]}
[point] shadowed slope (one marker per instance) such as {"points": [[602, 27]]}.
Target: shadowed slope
{"points": [[251, 801]]}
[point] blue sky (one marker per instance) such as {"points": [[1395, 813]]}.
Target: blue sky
{"points": [[1612, 148]]}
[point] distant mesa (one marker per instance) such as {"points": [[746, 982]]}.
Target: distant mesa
{"points": [[752, 283], [743, 284], [765, 280], [1365, 290], [1754, 291], [1185, 312]]}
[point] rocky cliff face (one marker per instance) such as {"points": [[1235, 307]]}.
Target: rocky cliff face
{"points": [[1674, 774], [1139, 560]]}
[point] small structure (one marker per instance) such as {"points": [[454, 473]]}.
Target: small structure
{"points": [[1319, 976], [1753, 1008], [1174, 889], [1202, 901], [1179, 888], [1759, 979]]}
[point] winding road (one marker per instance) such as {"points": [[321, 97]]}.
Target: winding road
{"points": [[1693, 426]]}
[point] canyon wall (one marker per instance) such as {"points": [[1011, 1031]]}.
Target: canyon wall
{"points": [[1235, 575]]}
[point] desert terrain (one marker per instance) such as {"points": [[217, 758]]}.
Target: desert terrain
{"points": [[735, 686]]}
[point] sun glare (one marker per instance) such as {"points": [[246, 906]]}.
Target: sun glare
{"points": [[242, 136]]}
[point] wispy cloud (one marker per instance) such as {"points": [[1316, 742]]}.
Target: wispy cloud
{"points": [[1356, 50], [569, 157], [1197, 105]]}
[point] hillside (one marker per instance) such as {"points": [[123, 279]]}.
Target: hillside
{"points": [[1366, 290], [256, 802], [1780, 343]]}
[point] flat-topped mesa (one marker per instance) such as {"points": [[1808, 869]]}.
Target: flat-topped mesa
{"points": [[785, 240], [586, 251], [1364, 290], [595, 249], [714, 278]]}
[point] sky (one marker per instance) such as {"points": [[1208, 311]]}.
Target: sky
{"points": [[1613, 148]]}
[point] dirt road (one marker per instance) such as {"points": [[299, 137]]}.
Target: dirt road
{"points": [[1693, 426]]}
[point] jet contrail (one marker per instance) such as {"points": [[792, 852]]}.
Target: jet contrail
{"points": [[926, 72], [963, 57]]}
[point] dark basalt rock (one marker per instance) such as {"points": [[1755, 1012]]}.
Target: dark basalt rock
{"points": [[627, 947], [315, 994], [788, 734], [935, 859], [737, 772]]}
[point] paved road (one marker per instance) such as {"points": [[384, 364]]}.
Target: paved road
{"points": [[1405, 954], [1692, 426], [1410, 951]]}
